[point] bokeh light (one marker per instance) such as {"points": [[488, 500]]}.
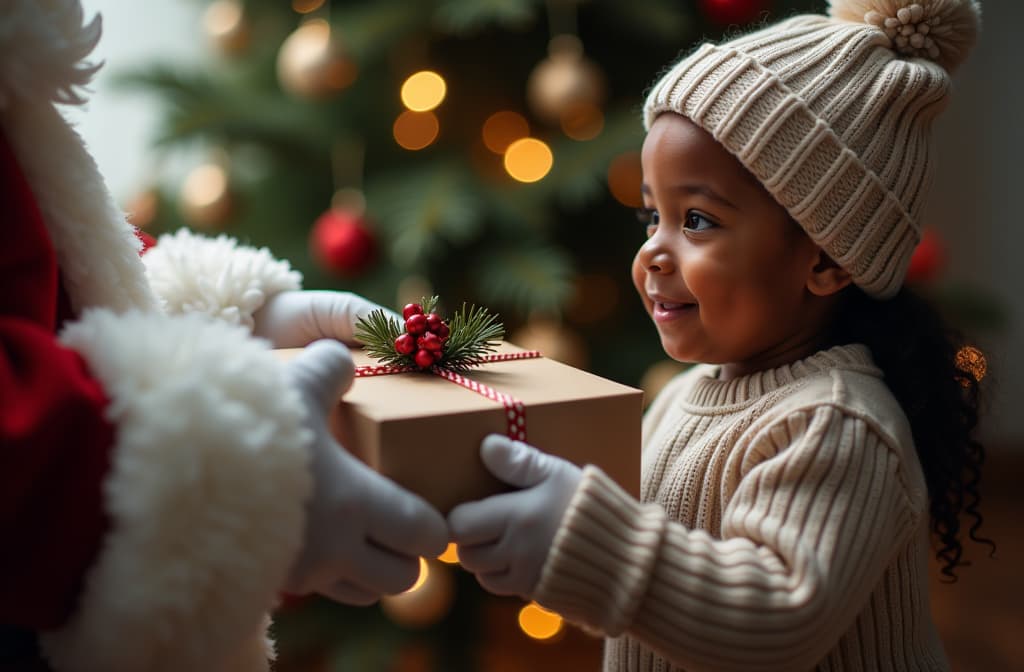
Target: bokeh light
{"points": [[625, 176], [528, 159], [450, 555], [415, 130], [502, 129], [423, 91], [306, 6], [539, 623], [583, 121], [422, 578]]}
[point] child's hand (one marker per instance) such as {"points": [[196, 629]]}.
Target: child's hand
{"points": [[363, 532], [505, 539], [294, 319]]}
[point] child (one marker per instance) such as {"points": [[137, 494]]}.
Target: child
{"points": [[788, 484], [163, 476]]}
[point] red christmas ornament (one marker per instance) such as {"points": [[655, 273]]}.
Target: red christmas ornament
{"points": [[342, 243], [733, 12], [412, 309], [927, 260], [429, 341]]}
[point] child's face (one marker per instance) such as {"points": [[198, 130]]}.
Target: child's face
{"points": [[723, 271]]}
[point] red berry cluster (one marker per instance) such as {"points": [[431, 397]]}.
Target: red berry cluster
{"points": [[424, 338]]}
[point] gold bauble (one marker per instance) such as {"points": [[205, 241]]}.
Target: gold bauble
{"points": [[206, 200], [227, 26], [425, 603], [312, 63], [553, 340], [565, 82], [658, 376]]}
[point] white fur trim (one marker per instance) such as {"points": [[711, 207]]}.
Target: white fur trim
{"points": [[97, 250], [215, 276], [206, 495], [42, 44]]}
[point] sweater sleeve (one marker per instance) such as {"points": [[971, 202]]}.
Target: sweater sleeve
{"points": [[191, 273], [819, 512]]}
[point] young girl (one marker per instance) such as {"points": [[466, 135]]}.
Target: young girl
{"points": [[791, 481]]}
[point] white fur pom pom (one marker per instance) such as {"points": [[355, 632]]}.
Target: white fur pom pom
{"points": [[939, 30]]}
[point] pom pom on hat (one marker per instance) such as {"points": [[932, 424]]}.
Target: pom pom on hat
{"points": [[942, 31]]}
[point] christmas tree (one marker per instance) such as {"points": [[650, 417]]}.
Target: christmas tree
{"points": [[485, 151]]}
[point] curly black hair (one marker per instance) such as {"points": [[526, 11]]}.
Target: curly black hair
{"points": [[923, 361]]}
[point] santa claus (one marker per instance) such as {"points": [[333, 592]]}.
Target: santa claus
{"points": [[163, 476]]}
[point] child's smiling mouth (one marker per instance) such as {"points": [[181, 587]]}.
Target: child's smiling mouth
{"points": [[663, 310]]}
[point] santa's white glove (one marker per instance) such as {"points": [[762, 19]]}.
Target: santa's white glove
{"points": [[505, 539], [363, 532], [296, 318]]}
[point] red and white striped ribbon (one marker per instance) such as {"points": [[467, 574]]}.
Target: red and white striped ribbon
{"points": [[515, 410]]}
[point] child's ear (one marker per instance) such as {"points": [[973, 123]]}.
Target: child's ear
{"points": [[826, 277]]}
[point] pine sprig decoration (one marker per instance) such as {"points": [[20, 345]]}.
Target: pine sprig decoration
{"points": [[425, 340], [475, 332], [377, 332]]}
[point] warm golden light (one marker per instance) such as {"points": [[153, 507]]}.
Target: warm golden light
{"points": [[205, 185], [582, 122], [528, 160], [972, 361], [223, 19], [423, 91], [422, 578], [415, 130], [539, 623], [624, 178], [502, 129], [306, 6], [450, 555]]}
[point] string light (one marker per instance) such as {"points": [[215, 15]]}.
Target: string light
{"points": [[502, 129], [422, 578], [528, 159], [539, 623], [450, 555], [415, 130], [423, 91]]}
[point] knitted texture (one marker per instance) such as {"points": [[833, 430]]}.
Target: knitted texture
{"points": [[782, 526], [833, 116]]}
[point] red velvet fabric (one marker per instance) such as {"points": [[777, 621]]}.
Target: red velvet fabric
{"points": [[54, 440]]}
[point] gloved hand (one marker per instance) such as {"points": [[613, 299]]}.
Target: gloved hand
{"points": [[294, 319], [505, 539], [363, 532]]}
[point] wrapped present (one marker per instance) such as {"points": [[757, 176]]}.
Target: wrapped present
{"points": [[422, 428], [427, 391]]}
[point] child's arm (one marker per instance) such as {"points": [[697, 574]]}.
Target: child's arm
{"points": [[808, 533]]}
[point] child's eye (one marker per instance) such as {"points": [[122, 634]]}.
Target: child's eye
{"points": [[697, 222]]}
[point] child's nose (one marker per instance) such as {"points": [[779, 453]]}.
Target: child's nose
{"points": [[655, 258]]}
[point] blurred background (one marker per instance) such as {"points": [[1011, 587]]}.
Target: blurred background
{"points": [[487, 151]]}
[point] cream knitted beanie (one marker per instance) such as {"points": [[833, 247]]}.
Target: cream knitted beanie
{"points": [[833, 115]]}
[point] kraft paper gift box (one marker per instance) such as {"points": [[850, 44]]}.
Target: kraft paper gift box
{"points": [[424, 431]]}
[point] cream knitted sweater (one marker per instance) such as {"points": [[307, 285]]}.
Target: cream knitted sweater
{"points": [[783, 527]]}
